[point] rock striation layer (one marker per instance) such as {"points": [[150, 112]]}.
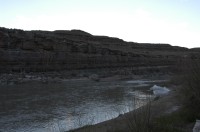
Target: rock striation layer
{"points": [[40, 51]]}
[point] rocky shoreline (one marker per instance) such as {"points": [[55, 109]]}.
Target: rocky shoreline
{"points": [[93, 74]]}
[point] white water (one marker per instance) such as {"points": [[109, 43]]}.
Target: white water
{"points": [[159, 91]]}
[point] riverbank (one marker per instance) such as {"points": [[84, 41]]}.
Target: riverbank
{"points": [[164, 106], [105, 74]]}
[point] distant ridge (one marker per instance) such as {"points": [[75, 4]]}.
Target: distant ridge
{"points": [[74, 31], [75, 49]]}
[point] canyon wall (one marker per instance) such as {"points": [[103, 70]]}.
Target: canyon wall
{"points": [[41, 51]]}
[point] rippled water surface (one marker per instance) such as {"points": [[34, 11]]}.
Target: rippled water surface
{"points": [[38, 107]]}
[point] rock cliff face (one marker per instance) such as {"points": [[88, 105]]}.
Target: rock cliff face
{"points": [[33, 51]]}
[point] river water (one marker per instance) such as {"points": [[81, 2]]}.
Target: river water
{"points": [[55, 107]]}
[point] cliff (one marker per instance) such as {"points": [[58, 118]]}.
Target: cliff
{"points": [[40, 51]]}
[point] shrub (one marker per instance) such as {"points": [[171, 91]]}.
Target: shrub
{"points": [[139, 120], [191, 85]]}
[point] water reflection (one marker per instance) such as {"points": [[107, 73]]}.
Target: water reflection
{"points": [[72, 103]]}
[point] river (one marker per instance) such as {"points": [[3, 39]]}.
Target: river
{"points": [[55, 107]]}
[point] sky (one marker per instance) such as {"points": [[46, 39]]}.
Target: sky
{"points": [[176, 22]]}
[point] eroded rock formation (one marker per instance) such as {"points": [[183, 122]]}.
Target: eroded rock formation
{"points": [[66, 50]]}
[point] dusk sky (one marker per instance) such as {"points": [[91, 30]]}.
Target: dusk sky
{"points": [[176, 22]]}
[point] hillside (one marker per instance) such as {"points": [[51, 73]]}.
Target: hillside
{"points": [[40, 51]]}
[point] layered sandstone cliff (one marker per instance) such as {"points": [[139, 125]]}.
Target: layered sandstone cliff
{"points": [[66, 50]]}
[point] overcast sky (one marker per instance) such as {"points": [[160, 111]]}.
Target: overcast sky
{"points": [[176, 22]]}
